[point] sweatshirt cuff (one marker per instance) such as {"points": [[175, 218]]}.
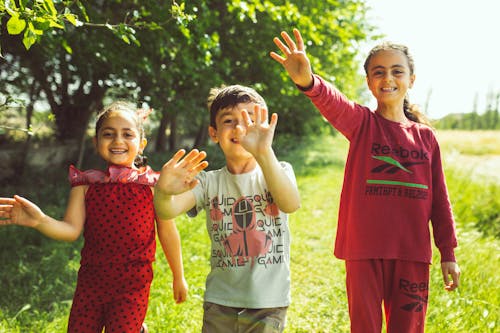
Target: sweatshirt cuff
{"points": [[314, 89], [447, 254]]}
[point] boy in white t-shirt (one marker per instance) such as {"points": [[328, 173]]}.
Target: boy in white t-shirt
{"points": [[246, 204]]}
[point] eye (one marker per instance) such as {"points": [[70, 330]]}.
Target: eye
{"points": [[107, 134]]}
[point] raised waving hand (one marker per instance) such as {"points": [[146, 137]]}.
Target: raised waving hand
{"points": [[257, 136], [294, 58], [178, 174]]}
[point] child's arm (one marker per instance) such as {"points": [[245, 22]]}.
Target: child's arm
{"points": [[257, 137], [171, 245], [177, 177], [20, 211], [295, 60]]}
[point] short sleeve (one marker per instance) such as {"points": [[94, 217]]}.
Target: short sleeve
{"points": [[200, 194]]}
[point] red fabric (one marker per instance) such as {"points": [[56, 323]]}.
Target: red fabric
{"points": [[393, 184], [114, 174], [401, 286], [115, 297], [119, 225], [119, 232]]}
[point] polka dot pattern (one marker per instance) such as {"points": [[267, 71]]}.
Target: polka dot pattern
{"points": [[120, 224], [115, 297], [116, 271]]}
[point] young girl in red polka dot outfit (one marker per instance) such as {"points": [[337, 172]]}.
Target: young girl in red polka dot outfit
{"points": [[114, 209]]}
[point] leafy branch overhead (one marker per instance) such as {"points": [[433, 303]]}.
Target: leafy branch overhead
{"points": [[33, 19]]}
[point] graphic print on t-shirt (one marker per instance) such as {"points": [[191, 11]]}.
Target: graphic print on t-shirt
{"points": [[390, 184], [246, 231]]}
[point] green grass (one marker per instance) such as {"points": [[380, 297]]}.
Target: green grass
{"points": [[38, 275]]}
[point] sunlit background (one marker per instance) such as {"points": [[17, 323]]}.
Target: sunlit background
{"points": [[455, 46]]}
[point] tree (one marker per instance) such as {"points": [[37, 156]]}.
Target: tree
{"points": [[176, 53]]}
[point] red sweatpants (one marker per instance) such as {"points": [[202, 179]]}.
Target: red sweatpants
{"points": [[114, 297], [401, 286]]}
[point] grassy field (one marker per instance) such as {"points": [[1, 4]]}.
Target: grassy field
{"points": [[38, 278]]}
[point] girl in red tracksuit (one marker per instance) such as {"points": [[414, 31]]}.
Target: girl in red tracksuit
{"points": [[393, 186]]}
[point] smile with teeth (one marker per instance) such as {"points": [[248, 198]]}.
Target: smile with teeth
{"points": [[118, 151], [388, 89]]}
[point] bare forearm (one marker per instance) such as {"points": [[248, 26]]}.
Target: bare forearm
{"points": [[284, 192], [171, 245], [170, 206], [59, 230]]}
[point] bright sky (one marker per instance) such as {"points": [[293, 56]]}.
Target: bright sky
{"points": [[455, 47]]}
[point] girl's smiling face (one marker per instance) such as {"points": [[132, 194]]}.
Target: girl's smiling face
{"points": [[389, 76], [118, 140]]}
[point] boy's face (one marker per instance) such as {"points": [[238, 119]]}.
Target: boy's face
{"points": [[224, 134]]}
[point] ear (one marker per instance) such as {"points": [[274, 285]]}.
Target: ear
{"points": [[412, 80], [212, 132], [143, 144]]}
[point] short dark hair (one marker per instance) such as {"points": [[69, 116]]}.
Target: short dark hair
{"points": [[229, 96]]}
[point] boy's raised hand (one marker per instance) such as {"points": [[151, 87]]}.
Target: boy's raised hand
{"points": [[294, 59], [178, 174], [257, 136], [19, 211]]}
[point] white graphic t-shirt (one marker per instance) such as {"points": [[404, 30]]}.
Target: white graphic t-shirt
{"points": [[250, 251]]}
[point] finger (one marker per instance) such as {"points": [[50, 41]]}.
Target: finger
{"points": [[298, 38], [6, 208], [282, 46], [176, 158], [289, 41], [25, 203], [7, 201], [199, 167], [274, 121], [263, 114], [200, 157], [189, 158], [257, 110], [246, 117], [456, 279], [277, 57]]}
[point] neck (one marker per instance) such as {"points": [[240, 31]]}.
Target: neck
{"points": [[238, 166], [392, 112]]}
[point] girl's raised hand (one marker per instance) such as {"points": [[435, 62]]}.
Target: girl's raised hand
{"points": [[257, 136], [178, 174], [294, 59], [20, 211]]}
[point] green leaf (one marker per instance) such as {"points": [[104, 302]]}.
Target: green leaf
{"points": [[50, 7], [29, 39], [66, 46], [72, 18], [55, 24], [125, 39], [15, 25]]}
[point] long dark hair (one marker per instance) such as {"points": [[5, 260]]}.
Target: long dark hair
{"points": [[411, 111]]}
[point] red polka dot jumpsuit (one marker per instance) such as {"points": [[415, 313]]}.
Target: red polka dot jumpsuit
{"points": [[119, 246]]}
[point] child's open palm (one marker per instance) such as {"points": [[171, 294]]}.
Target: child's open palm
{"points": [[178, 174], [257, 136], [19, 211], [294, 59]]}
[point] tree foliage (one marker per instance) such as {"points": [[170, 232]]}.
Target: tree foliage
{"points": [[170, 54]]}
